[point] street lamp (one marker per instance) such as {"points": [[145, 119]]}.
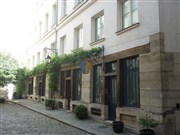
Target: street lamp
{"points": [[48, 57]]}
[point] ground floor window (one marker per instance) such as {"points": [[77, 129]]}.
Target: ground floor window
{"points": [[62, 83], [41, 85], [77, 84], [97, 84], [130, 82], [30, 86]]}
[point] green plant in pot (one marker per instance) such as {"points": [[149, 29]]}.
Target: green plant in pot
{"points": [[50, 104], [147, 123], [81, 112]]}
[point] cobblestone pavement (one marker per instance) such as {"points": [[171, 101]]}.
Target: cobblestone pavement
{"points": [[17, 120]]}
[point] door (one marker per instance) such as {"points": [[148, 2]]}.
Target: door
{"points": [[112, 97], [68, 92]]}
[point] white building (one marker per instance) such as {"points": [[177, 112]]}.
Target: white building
{"points": [[141, 42]]}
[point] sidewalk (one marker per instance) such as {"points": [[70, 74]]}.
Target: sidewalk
{"points": [[69, 118]]}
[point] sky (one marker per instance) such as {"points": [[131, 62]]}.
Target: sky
{"points": [[15, 26]]}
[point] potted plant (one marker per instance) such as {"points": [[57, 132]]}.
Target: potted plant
{"points": [[50, 104], [2, 100], [81, 112], [147, 123], [118, 126]]}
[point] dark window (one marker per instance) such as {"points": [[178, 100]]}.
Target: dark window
{"points": [[111, 67], [41, 85], [130, 80], [98, 84], [77, 84], [30, 88], [62, 83]]}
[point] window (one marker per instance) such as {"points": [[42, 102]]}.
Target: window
{"points": [[38, 58], [78, 1], [40, 29], [54, 14], [98, 84], [62, 82], [63, 8], [78, 37], [30, 87], [62, 45], [53, 49], [41, 85], [77, 84], [46, 23], [131, 82], [44, 53], [99, 27], [129, 13]]}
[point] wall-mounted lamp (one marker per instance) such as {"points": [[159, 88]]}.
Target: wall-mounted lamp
{"points": [[48, 58]]}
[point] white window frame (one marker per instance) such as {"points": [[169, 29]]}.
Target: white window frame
{"points": [[63, 8], [78, 37], [100, 29], [46, 23], [130, 13], [62, 45], [54, 14]]}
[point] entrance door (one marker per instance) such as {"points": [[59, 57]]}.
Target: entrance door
{"points": [[68, 92], [112, 97]]}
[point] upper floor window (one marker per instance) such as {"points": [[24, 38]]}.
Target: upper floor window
{"points": [[99, 27], [78, 37], [54, 14], [129, 13], [40, 29], [38, 58], [78, 1], [46, 22], [63, 8], [62, 45]]}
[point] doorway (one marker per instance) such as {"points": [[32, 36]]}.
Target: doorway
{"points": [[68, 92], [112, 97]]}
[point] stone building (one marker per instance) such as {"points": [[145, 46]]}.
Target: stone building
{"points": [[139, 71]]}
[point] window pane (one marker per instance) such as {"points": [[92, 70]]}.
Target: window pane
{"points": [[131, 82], [135, 17], [126, 21], [134, 5], [126, 7], [98, 84]]}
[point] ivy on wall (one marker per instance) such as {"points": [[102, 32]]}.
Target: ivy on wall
{"points": [[52, 68]]}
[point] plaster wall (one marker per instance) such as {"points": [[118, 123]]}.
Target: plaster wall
{"points": [[169, 12]]}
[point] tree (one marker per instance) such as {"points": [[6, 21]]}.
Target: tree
{"points": [[8, 67], [21, 82]]}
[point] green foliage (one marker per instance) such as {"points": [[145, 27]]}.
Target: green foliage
{"points": [[21, 81], [50, 103], [52, 68], [81, 112], [147, 122], [8, 66]]}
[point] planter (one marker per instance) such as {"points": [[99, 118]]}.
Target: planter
{"points": [[147, 132], [2, 100], [117, 126]]}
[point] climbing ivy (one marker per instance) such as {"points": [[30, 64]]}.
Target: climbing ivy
{"points": [[52, 68]]}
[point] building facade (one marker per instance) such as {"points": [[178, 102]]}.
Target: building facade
{"points": [[139, 71]]}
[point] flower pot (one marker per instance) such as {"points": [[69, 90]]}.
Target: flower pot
{"points": [[147, 132], [2, 100], [117, 126]]}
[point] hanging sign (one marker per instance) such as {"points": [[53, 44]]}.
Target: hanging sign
{"points": [[85, 66]]}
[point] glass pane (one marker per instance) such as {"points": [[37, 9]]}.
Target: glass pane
{"points": [[134, 5], [135, 17], [126, 21], [126, 7]]}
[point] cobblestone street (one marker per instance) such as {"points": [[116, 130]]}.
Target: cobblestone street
{"points": [[17, 120]]}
